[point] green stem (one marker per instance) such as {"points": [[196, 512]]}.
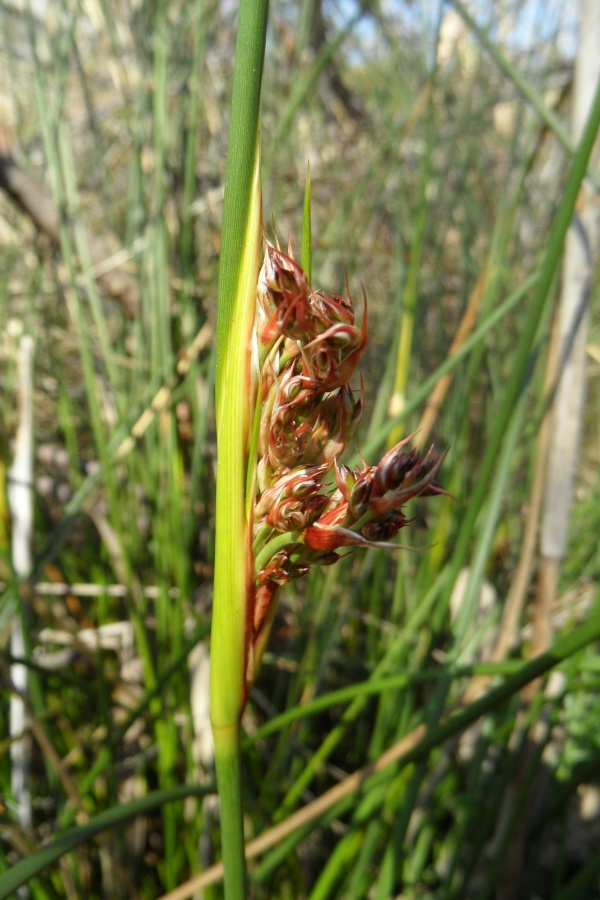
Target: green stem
{"points": [[409, 305], [278, 543], [243, 139], [229, 779], [235, 405]]}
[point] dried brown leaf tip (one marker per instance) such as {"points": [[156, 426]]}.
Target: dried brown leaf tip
{"points": [[309, 346]]}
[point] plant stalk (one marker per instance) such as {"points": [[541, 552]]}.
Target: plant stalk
{"points": [[235, 401]]}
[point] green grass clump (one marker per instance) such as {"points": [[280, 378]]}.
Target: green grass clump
{"points": [[443, 177]]}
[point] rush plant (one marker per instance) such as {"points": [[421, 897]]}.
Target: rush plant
{"points": [[285, 411], [300, 505]]}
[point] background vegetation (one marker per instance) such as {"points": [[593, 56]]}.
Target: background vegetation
{"points": [[438, 167]]}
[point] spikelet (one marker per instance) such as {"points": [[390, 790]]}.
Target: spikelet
{"points": [[309, 348]]}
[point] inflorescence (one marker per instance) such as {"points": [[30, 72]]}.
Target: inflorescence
{"points": [[308, 348]]}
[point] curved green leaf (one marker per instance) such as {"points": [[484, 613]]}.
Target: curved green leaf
{"points": [[32, 865]]}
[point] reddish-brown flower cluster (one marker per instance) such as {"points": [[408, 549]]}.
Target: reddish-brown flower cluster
{"points": [[367, 506], [308, 349]]}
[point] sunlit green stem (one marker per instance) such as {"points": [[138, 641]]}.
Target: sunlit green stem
{"points": [[235, 403], [279, 542]]}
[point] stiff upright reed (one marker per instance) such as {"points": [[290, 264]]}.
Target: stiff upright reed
{"points": [[285, 411]]}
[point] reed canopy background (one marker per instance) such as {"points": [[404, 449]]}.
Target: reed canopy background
{"points": [[424, 721]]}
